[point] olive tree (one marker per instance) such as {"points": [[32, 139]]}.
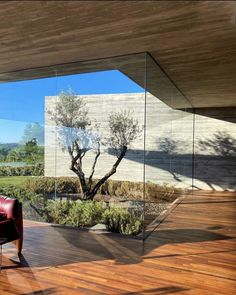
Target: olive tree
{"points": [[78, 136]]}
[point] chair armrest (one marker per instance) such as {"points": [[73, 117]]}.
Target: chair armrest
{"points": [[8, 230], [14, 223]]}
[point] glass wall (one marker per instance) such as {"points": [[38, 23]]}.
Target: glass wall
{"points": [[99, 119], [104, 145], [168, 146], [22, 142], [85, 168]]}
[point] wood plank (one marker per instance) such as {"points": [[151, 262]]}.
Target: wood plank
{"points": [[194, 41], [192, 252]]}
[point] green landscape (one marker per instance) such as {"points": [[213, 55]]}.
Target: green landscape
{"points": [[82, 200]]}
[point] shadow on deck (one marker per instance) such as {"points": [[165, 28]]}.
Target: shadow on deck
{"points": [[195, 243]]}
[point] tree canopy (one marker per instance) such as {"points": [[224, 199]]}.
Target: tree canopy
{"points": [[34, 130], [77, 135]]}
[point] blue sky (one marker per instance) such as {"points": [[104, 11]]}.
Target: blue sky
{"points": [[23, 102]]}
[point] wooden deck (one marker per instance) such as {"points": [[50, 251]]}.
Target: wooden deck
{"points": [[192, 252]]}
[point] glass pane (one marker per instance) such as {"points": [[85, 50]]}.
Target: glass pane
{"points": [[78, 132], [23, 145], [215, 149], [99, 119], [168, 146]]}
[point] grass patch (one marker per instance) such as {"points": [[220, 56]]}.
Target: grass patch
{"points": [[17, 181]]}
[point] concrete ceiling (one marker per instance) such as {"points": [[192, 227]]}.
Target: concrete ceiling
{"points": [[193, 41]]}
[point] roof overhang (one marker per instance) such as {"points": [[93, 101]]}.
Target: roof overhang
{"points": [[193, 41]]}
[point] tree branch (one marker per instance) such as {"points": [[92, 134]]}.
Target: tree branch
{"points": [[93, 192], [94, 165], [76, 167]]}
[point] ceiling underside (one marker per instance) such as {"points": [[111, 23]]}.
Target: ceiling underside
{"points": [[193, 41]]}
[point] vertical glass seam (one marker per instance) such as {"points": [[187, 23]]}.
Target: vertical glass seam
{"points": [[55, 169], [144, 143], [193, 149]]}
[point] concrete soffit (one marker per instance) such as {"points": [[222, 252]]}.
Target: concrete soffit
{"points": [[139, 67]]}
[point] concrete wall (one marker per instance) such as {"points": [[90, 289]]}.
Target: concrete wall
{"points": [[99, 107], [169, 144], [215, 150]]}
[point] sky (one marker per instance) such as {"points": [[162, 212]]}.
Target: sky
{"points": [[23, 102]]}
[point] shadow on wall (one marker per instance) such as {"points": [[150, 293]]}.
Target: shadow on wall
{"points": [[214, 161], [222, 144]]}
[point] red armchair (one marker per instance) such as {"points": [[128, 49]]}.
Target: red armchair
{"points": [[11, 222]]}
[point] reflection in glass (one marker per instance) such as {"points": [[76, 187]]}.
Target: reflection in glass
{"points": [[168, 146], [82, 131], [94, 144], [105, 144], [22, 144]]}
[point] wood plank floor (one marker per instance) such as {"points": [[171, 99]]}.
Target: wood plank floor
{"points": [[192, 252]]}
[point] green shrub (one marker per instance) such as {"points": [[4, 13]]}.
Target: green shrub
{"points": [[33, 204], [86, 213], [89, 213], [122, 221], [32, 170], [74, 213], [67, 185], [20, 193], [57, 211], [41, 185]]}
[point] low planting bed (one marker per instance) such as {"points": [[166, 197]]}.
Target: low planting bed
{"points": [[118, 205]]}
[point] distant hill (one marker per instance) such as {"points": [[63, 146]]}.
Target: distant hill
{"points": [[5, 148], [9, 146]]}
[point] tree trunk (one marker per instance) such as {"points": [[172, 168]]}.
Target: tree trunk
{"points": [[90, 179], [91, 194], [78, 171]]}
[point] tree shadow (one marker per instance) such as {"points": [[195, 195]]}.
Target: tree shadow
{"points": [[47, 291], [216, 166], [183, 235], [221, 144], [51, 246], [27, 279]]}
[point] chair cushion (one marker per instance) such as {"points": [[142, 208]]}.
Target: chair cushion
{"points": [[9, 206]]}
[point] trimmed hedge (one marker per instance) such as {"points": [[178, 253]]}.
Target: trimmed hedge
{"points": [[30, 170], [48, 185], [126, 190]]}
